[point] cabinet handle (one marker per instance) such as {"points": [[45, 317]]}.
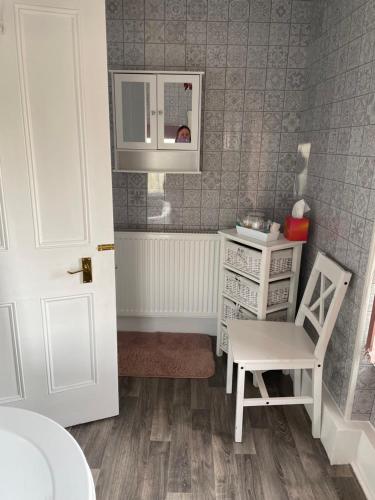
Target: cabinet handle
{"points": [[160, 111], [153, 112]]}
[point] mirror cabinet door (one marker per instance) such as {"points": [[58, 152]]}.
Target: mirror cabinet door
{"points": [[135, 100], [178, 117]]}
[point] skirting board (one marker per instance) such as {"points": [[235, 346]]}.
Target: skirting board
{"points": [[346, 441], [167, 324]]}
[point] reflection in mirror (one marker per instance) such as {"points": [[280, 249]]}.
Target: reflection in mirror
{"points": [[136, 112], [177, 112]]}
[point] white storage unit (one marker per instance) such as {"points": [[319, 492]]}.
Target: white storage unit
{"points": [[258, 280]]}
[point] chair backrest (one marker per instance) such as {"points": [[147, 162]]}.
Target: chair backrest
{"points": [[333, 285]]}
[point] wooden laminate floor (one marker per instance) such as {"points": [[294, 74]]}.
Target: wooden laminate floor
{"points": [[173, 440]]}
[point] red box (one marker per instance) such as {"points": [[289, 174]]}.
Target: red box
{"points": [[296, 229]]}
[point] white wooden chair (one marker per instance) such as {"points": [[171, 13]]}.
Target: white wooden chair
{"points": [[258, 346]]}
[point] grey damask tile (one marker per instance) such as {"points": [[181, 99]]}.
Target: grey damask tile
{"points": [[291, 122], [175, 32], [239, 10], [345, 220], [364, 78], [113, 9], [137, 181], [175, 197], [361, 201], [296, 79], [119, 179], [297, 57], [363, 402], [214, 100], [277, 57], [231, 141], [247, 199], [134, 9], [257, 56], [195, 56], [367, 47], [120, 215], [371, 108], [356, 136], [233, 121], [175, 9], [300, 35], [216, 55], [254, 101], [115, 31], [197, 10], [154, 9], [368, 144], [357, 229], [115, 53], [214, 120], [275, 79], [213, 141], [248, 181], [175, 54], [302, 11], [228, 199], [272, 121], [279, 34], [354, 52], [365, 174], [268, 162], [259, 33], [270, 142], [265, 199], [191, 216], [281, 11], [211, 180], [285, 181], [255, 78], [251, 142], [193, 181], [231, 161], [217, 32], [215, 78], [218, 10], [236, 56], [235, 78], [227, 217], [287, 162], [238, 33], [293, 100], [267, 181], [154, 54], [252, 121], [120, 197], [210, 198], [249, 161], [289, 142], [137, 197], [234, 100], [274, 100], [192, 198], [154, 31], [229, 180], [196, 32], [134, 31], [210, 218], [212, 160], [260, 10]]}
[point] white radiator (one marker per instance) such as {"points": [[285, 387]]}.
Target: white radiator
{"points": [[167, 274]]}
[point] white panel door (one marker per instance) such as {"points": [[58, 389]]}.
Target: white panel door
{"points": [[57, 333]]}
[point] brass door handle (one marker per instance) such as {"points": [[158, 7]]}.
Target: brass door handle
{"points": [[86, 270]]}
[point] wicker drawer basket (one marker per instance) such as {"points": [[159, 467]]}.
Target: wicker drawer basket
{"points": [[248, 260], [235, 311], [224, 338], [246, 291]]}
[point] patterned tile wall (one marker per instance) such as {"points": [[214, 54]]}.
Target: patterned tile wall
{"points": [[338, 121], [253, 53]]}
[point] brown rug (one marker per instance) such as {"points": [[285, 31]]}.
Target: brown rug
{"points": [[166, 355]]}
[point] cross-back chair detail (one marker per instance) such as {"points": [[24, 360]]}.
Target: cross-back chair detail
{"points": [[259, 346]]}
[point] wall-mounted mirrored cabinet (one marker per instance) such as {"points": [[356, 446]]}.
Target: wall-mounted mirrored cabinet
{"points": [[157, 121]]}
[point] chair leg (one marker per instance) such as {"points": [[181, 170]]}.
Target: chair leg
{"points": [[239, 403], [317, 404], [229, 370], [297, 382]]}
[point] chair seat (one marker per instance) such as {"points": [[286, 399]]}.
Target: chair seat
{"points": [[263, 342]]}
